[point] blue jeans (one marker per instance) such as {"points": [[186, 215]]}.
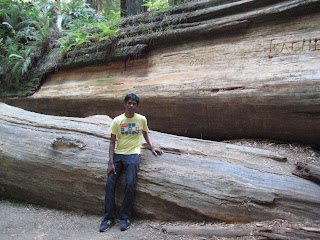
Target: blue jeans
{"points": [[129, 164]]}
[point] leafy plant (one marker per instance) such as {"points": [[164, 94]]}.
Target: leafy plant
{"points": [[18, 61], [74, 39], [23, 27], [106, 31], [114, 16], [79, 14], [41, 21], [156, 5], [84, 37]]}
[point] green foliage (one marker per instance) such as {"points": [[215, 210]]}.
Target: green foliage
{"points": [[156, 5], [41, 19], [106, 31], [160, 5], [74, 39], [113, 16], [19, 63], [26, 27], [85, 38], [16, 62], [85, 26], [23, 27], [78, 14]]}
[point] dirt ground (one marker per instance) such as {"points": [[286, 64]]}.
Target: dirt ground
{"points": [[24, 221]]}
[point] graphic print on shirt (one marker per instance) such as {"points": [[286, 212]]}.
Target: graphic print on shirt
{"points": [[130, 128]]}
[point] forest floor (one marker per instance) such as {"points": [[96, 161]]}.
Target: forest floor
{"points": [[24, 221]]}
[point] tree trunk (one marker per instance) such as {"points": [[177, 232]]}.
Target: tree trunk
{"points": [[97, 5], [132, 7], [123, 7], [60, 162]]}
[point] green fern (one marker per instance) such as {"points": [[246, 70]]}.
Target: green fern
{"points": [[106, 30], [19, 63]]}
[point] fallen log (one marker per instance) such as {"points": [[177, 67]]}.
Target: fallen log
{"points": [[287, 233], [264, 230], [307, 171], [210, 232], [60, 162]]}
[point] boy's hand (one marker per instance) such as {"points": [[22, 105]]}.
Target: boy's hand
{"points": [[157, 151], [111, 168]]}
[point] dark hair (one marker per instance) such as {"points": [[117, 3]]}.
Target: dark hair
{"points": [[133, 97]]}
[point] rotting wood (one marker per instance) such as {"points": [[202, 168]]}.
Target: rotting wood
{"points": [[307, 171]]}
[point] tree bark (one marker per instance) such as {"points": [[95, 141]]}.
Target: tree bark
{"points": [[123, 7], [60, 162], [132, 7]]}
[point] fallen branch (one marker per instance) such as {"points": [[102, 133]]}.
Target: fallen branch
{"points": [[264, 230]]}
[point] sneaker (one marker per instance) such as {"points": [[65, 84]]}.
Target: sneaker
{"points": [[124, 225], [105, 225]]}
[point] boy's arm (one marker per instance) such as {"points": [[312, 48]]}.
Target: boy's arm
{"points": [[155, 151], [111, 167]]}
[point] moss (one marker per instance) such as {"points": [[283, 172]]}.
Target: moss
{"points": [[109, 78], [24, 89], [104, 81]]}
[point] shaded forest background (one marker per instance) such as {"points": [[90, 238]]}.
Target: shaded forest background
{"points": [[30, 29]]}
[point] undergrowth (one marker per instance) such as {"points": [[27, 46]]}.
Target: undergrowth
{"points": [[26, 34]]}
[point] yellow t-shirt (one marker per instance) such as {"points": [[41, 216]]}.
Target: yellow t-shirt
{"points": [[128, 132]]}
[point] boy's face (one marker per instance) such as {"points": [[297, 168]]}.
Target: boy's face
{"points": [[130, 106]]}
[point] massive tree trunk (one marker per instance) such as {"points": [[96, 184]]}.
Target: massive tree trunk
{"points": [[61, 162], [206, 69]]}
